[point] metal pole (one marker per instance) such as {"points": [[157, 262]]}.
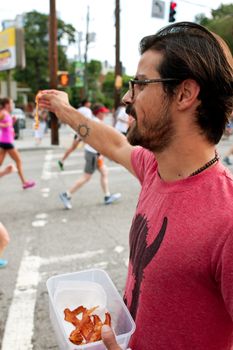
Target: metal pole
{"points": [[117, 90], [53, 65], [9, 83], [85, 54]]}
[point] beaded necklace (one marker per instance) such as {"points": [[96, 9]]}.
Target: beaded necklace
{"points": [[207, 165]]}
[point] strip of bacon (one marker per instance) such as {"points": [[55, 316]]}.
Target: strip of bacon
{"points": [[88, 328]]}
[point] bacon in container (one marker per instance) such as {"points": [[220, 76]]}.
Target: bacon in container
{"points": [[80, 303], [88, 327]]}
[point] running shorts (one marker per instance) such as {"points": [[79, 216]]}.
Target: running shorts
{"points": [[93, 162], [6, 146]]}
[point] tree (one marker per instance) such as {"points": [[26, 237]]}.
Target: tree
{"points": [[76, 94], [94, 68], [108, 86], [220, 23], [36, 73]]}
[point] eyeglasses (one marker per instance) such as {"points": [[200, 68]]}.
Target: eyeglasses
{"points": [[133, 82]]}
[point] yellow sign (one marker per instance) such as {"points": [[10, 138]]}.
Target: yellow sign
{"points": [[7, 49]]}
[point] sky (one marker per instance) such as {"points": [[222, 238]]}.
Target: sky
{"points": [[136, 22]]}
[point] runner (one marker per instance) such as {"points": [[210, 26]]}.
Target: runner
{"points": [[122, 119], [7, 139], [93, 161], [7, 170], [4, 240], [85, 109]]}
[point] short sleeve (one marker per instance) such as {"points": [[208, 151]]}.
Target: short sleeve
{"points": [[226, 266], [143, 161]]}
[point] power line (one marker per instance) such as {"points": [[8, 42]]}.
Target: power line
{"points": [[196, 4]]}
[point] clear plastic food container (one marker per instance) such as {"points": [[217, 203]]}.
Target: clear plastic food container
{"points": [[88, 288]]}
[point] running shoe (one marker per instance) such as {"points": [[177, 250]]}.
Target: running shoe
{"points": [[3, 263], [61, 165], [28, 184], [112, 198], [65, 200]]}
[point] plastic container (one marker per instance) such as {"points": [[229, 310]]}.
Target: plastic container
{"points": [[89, 288]]}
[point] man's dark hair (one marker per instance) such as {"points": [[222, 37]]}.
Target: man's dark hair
{"points": [[190, 51]]}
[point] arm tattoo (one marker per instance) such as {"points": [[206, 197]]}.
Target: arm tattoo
{"points": [[83, 130]]}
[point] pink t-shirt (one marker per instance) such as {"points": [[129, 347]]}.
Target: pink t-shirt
{"points": [[180, 280], [7, 134]]}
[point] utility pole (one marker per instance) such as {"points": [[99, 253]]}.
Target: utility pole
{"points": [[9, 74], [53, 65], [86, 51], [118, 73]]}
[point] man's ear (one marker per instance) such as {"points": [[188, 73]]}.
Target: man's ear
{"points": [[187, 94]]}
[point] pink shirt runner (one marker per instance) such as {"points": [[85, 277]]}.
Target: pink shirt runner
{"points": [[7, 134], [180, 278]]}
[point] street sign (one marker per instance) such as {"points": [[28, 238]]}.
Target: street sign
{"points": [[158, 9], [79, 74]]}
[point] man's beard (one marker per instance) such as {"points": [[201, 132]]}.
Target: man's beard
{"points": [[155, 135]]}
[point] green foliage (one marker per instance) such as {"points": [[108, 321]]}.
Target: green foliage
{"points": [[220, 23], [36, 73], [222, 11], [93, 72], [109, 83], [101, 89]]}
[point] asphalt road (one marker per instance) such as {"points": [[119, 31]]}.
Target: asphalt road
{"points": [[47, 240]]}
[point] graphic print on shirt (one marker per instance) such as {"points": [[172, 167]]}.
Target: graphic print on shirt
{"points": [[141, 254]]}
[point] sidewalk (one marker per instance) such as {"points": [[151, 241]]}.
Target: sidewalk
{"points": [[26, 142]]}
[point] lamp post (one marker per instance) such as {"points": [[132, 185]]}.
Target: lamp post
{"points": [[118, 78], [86, 52], [53, 65]]}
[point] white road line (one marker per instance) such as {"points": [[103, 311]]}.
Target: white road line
{"points": [[39, 223], [126, 262], [99, 265], [48, 174], [20, 322], [45, 190], [72, 155], [119, 249], [80, 171], [41, 216], [61, 259], [46, 171]]}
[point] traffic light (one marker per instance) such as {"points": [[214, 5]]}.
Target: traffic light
{"points": [[63, 79], [172, 11]]}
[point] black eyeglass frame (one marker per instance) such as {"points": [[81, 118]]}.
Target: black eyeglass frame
{"points": [[133, 82]]}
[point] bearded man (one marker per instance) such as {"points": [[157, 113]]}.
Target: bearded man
{"points": [[179, 288]]}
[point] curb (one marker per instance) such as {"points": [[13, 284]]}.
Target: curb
{"points": [[39, 148]]}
